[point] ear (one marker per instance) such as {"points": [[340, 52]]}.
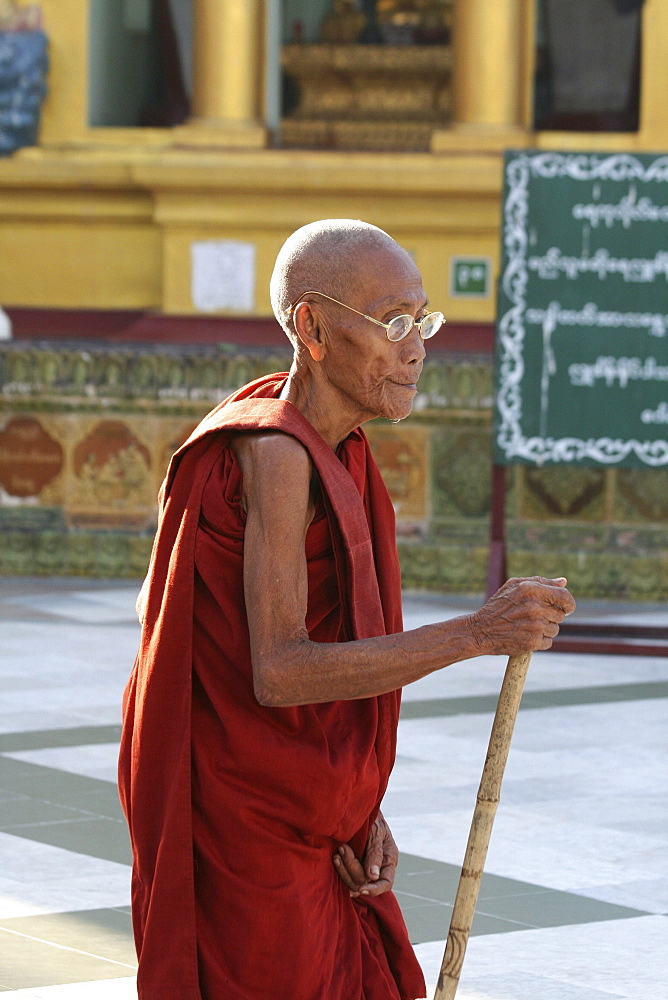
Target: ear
{"points": [[308, 330]]}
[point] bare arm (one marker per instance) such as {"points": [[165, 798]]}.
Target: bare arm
{"points": [[289, 669]]}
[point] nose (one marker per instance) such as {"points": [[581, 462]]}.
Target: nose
{"points": [[413, 352]]}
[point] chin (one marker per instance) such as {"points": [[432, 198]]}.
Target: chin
{"points": [[394, 407], [397, 413]]}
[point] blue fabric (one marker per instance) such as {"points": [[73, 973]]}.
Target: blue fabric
{"points": [[23, 67]]}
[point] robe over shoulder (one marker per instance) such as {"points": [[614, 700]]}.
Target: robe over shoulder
{"points": [[234, 808]]}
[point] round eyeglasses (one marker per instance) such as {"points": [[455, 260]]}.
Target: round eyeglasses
{"points": [[398, 327]]}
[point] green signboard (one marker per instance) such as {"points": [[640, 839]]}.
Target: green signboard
{"points": [[581, 361], [470, 277]]}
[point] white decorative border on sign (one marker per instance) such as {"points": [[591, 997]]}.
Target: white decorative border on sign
{"points": [[511, 326]]}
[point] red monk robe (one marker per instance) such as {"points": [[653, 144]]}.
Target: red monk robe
{"points": [[236, 809]]}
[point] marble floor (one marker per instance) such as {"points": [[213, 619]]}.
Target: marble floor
{"points": [[574, 902]]}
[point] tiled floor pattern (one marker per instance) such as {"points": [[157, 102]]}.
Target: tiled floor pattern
{"points": [[574, 902]]}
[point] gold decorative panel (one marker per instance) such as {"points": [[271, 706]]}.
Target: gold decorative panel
{"points": [[367, 96], [111, 484], [563, 491], [30, 458], [86, 435], [401, 453]]}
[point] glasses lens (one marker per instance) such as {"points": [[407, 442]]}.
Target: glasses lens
{"points": [[430, 324], [399, 327]]}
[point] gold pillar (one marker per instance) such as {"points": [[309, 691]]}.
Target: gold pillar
{"points": [[227, 74], [493, 58], [654, 76], [64, 117], [486, 78]]}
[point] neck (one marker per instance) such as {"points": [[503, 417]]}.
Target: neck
{"points": [[320, 403]]}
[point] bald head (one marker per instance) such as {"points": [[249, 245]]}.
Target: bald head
{"points": [[323, 256]]}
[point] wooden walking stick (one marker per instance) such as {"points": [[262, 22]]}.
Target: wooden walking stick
{"points": [[481, 827]]}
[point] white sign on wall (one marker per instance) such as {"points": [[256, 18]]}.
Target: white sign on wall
{"points": [[223, 275]]}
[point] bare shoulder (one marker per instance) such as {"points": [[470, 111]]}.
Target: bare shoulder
{"points": [[275, 467], [268, 454]]}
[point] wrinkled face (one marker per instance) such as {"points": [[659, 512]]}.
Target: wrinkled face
{"points": [[372, 374]]}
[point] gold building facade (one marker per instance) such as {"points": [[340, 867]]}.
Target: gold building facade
{"points": [[288, 120], [104, 217]]}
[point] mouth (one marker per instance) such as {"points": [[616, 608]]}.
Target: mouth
{"points": [[404, 385]]}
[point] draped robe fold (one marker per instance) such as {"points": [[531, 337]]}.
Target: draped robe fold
{"points": [[236, 809]]}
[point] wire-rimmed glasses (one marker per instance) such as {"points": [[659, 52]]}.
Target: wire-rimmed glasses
{"points": [[398, 327]]}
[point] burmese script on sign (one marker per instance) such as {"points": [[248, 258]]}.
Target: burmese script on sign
{"points": [[582, 349]]}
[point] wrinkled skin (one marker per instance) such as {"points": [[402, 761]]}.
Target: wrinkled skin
{"points": [[524, 614], [346, 371], [375, 874]]}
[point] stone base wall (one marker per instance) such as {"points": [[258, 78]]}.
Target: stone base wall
{"points": [[86, 433]]}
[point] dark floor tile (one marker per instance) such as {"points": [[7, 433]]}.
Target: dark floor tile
{"points": [[596, 695], [426, 891], [478, 704], [91, 795], [438, 881], [497, 886], [428, 922], [555, 909], [485, 923], [6, 796], [25, 811], [430, 880], [98, 837], [44, 739], [431, 921], [441, 707], [103, 800]]}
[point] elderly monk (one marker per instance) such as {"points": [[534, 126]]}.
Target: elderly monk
{"points": [[261, 715]]}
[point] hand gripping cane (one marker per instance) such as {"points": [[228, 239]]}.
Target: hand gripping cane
{"points": [[481, 827]]}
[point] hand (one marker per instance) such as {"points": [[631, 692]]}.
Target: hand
{"points": [[522, 616], [376, 874]]}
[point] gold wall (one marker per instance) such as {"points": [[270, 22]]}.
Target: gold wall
{"points": [[106, 217], [113, 228]]}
